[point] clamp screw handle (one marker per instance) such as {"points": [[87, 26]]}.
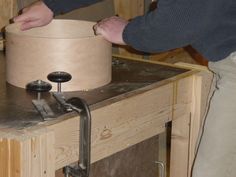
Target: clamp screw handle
{"points": [[59, 77], [39, 86]]}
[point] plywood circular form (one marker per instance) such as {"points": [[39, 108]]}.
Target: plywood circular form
{"points": [[63, 45]]}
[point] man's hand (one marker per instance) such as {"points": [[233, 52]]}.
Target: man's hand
{"points": [[37, 14], [111, 29]]}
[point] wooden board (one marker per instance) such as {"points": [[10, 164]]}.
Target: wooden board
{"points": [[27, 155], [201, 93], [10, 161], [8, 10], [1, 44], [115, 127], [179, 165], [129, 9], [135, 8], [187, 129], [173, 56]]}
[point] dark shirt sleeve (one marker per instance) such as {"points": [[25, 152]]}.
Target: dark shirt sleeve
{"points": [[63, 6], [175, 23]]}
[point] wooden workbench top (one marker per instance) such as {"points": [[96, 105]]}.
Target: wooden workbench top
{"points": [[118, 121], [129, 78]]}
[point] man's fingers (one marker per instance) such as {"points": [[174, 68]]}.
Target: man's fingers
{"points": [[111, 29], [99, 31], [18, 18], [95, 29], [25, 9], [23, 17], [35, 15], [29, 25], [98, 28]]}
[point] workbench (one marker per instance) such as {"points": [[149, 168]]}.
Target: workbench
{"points": [[142, 97]]}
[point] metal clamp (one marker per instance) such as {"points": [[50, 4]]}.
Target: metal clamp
{"points": [[81, 107]]}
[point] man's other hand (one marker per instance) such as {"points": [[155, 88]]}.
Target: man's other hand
{"points": [[111, 29], [35, 15]]}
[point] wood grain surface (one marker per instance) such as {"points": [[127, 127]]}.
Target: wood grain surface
{"points": [[63, 45]]}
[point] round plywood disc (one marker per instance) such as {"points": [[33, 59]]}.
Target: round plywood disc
{"points": [[63, 45]]}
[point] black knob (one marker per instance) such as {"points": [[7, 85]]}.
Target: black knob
{"points": [[59, 76], [39, 86]]}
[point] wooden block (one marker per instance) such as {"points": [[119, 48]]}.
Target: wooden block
{"points": [[27, 155], [38, 155], [196, 56], [1, 44], [129, 9], [173, 56], [116, 126], [192, 96], [202, 90], [180, 147], [8, 10], [10, 161], [179, 162]]}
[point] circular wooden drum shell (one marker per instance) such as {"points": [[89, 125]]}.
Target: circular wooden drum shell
{"points": [[63, 45]]}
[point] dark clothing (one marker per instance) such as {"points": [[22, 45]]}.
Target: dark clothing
{"points": [[63, 6], [208, 25]]}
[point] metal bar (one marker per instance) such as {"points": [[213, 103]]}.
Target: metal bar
{"points": [[85, 134], [59, 87], [43, 108], [82, 108], [162, 168]]}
